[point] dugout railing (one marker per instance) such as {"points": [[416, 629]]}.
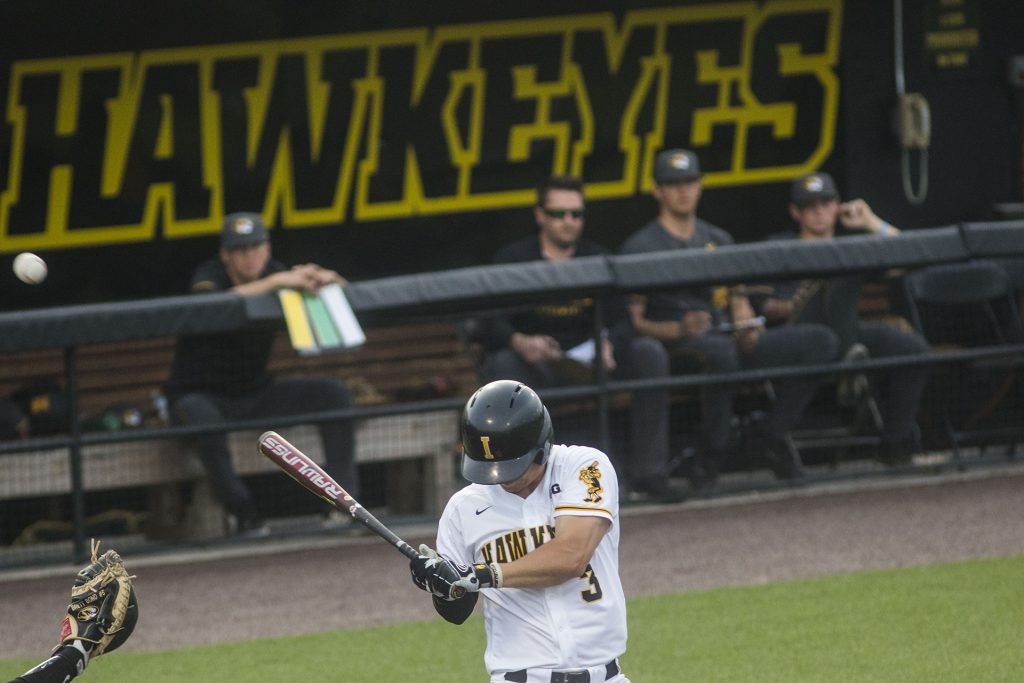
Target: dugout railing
{"points": [[456, 295]]}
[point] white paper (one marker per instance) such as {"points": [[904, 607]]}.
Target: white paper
{"points": [[583, 353], [741, 325], [349, 329]]}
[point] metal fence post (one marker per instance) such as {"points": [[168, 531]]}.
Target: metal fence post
{"points": [[75, 454], [603, 429]]}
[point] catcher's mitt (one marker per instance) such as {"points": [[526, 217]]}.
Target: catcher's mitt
{"points": [[103, 608]]}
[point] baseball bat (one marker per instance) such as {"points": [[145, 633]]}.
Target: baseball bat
{"points": [[311, 476]]}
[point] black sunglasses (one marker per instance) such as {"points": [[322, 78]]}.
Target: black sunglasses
{"points": [[562, 213]]}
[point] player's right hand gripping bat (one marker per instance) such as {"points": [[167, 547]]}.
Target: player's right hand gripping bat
{"points": [[302, 469]]}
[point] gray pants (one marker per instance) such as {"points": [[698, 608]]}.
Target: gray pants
{"points": [[288, 396], [715, 352], [643, 358], [901, 388]]}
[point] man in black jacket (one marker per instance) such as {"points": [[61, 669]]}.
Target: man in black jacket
{"points": [[219, 377], [553, 344]]}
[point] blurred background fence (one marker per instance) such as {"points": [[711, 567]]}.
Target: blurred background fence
{"points": [[96, 453]]}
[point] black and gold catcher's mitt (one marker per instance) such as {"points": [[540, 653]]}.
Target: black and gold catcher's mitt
{"points": [[103, 608]]}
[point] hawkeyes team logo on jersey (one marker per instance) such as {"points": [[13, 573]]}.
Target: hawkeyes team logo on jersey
{"points": [[591, 476]]}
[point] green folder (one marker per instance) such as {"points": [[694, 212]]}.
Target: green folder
{"points": [[321, 322]]}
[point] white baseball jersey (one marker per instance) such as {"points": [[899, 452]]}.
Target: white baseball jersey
{"points": [[579, 623]]}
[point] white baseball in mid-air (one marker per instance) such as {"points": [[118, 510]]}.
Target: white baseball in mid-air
{"points": [[29, 268]]}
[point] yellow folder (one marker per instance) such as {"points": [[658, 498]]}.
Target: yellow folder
{"points": [[295, 317]]}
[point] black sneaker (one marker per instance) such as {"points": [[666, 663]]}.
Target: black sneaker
{"points": [[900, 452], [895, 454], [853, 387], [782, 457], [252, 527], [702, 482], [659, 489]]}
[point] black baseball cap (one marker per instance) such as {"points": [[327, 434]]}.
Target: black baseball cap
{"points": [[811, 188], [673, 165], [242, 230]]}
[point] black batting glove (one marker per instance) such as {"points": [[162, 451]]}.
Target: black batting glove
{"points": [[451, 580], [420, 567]]}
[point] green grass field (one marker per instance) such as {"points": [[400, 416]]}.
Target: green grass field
{"points": [[955, 622]]}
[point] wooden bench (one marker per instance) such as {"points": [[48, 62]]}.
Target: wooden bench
{"points": [[162, 465], [396, 364]]}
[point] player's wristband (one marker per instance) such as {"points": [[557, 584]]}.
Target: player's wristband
{"points": [[489, 575], [497, 576]]}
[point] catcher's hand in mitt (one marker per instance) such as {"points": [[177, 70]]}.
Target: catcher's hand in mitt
{"points": [[103, 608]]}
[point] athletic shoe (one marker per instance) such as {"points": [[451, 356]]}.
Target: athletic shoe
{"points": [[252, 527], [853, 386], [782, 456]]}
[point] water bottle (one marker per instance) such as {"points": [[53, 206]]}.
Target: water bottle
{"points": [[161, 408]]}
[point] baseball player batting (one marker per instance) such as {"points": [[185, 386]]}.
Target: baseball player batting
{"points": [[537, 534]]}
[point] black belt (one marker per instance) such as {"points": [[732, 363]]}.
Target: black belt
{"points": [[611, 670]]}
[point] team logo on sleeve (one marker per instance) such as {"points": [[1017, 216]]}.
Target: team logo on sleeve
{"points": [[591, 476]]}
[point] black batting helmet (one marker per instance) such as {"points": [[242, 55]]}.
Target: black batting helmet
{"points": [[505, 427]]}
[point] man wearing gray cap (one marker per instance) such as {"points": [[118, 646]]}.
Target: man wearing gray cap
{"points": [[690, 322], [816, 208], [220, 377]]}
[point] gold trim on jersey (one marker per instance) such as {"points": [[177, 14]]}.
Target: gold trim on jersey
{"points": [[582, 507]]}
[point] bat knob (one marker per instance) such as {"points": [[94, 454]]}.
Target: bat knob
{"points": [[458, 592]]}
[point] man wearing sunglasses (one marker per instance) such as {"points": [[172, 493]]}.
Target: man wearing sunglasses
{"points": [[553, 345], [713, 329]]}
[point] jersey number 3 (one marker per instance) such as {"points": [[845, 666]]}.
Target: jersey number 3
{"points": [[593, 592]]}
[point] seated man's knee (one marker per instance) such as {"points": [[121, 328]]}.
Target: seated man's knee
{"points": [[503, 364], [324, 393], [717, 353], [818, 344], [646, 357], [338, 393], [914, 344], [194, 409]]}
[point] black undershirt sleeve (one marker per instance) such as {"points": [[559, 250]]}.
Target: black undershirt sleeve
{"points": [[456, 611], [64, 665]]}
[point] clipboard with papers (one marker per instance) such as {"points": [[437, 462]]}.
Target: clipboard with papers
{"points": [[320, 322]]}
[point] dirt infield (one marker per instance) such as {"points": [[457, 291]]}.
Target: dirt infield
{"points": [[340, 583]]}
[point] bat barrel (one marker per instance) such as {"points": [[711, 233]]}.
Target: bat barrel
{"points": [[314, 479]]}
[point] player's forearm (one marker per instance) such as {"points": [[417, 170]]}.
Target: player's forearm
{"points": [[662, 330], [261, 286], [554, 563]]}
